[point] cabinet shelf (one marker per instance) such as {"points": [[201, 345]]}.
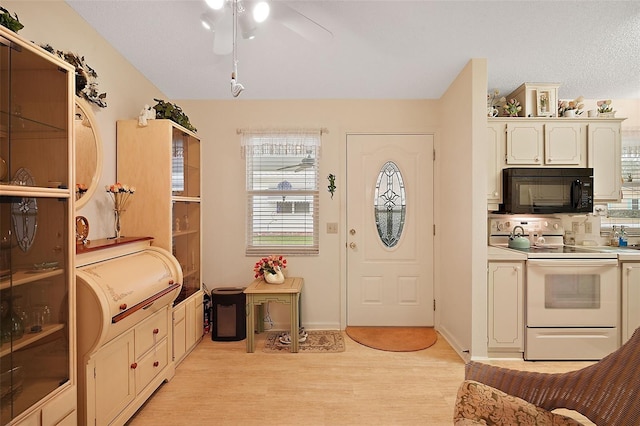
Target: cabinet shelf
{"points": [[27, 127], [185, 232], [29, 338], [28, 276]]}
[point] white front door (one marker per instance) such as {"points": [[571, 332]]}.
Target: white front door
{"points": [[390, 230]]}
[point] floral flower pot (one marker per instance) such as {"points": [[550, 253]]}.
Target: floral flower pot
{"points": [[611, 114], [277, 278], [570, 113]]}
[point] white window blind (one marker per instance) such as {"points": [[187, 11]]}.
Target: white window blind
{"points": [[282, 191], [627, 211]]}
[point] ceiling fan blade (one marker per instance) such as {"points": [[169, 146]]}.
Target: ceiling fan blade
{"points": [[299, 23], [223, 35]]}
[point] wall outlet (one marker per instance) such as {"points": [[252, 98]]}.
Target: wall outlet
{"points": [[587, 228], [575, 227]]}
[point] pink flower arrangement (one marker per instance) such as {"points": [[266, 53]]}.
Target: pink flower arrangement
{"points": [[269, 264], [120, 194]]}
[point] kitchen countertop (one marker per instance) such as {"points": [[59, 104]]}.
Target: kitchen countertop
{"points": [[496, 253], [503, 253]]}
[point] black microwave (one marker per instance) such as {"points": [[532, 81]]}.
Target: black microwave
{"points": [[545, 190]]}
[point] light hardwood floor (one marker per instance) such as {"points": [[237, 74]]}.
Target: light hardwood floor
{"points": [[220, 384]]}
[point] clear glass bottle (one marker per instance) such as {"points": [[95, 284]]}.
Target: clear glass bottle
{"points": [[615, 237], [623, 237]]}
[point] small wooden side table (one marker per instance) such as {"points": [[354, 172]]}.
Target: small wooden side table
{"points": [[259, 292]]}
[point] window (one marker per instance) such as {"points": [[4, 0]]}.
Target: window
{"points": [[627, 211], [282, 191]]}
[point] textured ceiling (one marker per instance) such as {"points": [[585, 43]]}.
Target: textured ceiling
{"points": [[382, 49]]}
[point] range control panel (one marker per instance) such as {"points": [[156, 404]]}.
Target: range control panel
{"points": [[542, 226]]}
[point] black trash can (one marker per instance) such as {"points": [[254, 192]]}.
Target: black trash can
{"points": [[228, 305]]}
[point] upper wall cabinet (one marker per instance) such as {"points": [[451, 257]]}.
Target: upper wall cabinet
{"points": [[543, 143], [604, 142], [37, 286], [555, 142]]}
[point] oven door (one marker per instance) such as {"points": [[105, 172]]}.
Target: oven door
{"points": [[572, 293]]}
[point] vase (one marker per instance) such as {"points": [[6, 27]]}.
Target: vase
{"points": [[116, 223], [570, 113], [277, 278], [611, 114]]}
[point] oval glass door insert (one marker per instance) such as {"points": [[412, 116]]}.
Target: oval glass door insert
{"points": [[390, 204]]}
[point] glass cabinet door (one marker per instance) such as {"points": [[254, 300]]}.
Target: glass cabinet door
{"points": [[35, 264], [185, 174], [186, 245]]}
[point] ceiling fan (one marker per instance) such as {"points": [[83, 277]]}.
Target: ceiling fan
{"points": [[305, 163], [251, 14]]}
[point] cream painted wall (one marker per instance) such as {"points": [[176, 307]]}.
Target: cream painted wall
{"points": [[224, 186], [55, 23], [461, 221]]}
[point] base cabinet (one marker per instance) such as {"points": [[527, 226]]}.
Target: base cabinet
{"points": [[506, 307], [630, 299], [124, 372], [188, 325]]}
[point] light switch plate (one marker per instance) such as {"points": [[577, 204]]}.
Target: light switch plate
{"points": [[332, 228]]}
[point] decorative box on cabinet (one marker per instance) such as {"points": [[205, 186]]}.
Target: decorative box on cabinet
{"points": [[37, 291], [167, 207], [506, 307], [537, 99]]}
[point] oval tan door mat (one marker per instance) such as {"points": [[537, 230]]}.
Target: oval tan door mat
{"points": [[394, 339]]}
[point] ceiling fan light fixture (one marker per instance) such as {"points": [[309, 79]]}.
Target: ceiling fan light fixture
{"points": [[247, 26], [215, 4], [206, 22], [261, 11]]}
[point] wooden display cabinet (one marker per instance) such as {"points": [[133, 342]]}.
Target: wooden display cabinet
{"points": [[37, 287], [166, 206]]}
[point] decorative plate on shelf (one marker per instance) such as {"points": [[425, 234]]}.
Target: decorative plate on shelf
{"points": [[24, 212]]}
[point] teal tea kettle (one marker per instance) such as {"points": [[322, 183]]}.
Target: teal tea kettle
{"points": [[518, 241]]}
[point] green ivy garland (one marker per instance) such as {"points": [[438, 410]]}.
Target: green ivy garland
{"points": [[8, 21], [173, 112], [86, 84]]}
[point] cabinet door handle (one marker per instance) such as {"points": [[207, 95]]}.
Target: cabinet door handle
{"points": [[156, 331], [134, 365], [123, 306], [156, 363]]}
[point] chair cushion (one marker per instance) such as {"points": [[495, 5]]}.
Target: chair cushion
{"points": [[479, 404]]}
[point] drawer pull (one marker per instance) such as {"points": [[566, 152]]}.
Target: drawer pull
{"points": [[156, 363], [123, 306], [156, 331], [134, 365]]}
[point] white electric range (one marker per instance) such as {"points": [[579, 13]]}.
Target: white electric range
{"points": [[572, 293]]}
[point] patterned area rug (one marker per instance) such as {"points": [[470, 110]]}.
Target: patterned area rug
{"points": [[394, 339], [318, 341]]}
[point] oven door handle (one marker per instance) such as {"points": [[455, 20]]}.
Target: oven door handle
{"points": [[572, 262]]}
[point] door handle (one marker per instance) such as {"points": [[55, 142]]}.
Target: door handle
{"points": [[352, 245]]}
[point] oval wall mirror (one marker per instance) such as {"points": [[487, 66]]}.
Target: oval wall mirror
{"points": [[88, 152]]}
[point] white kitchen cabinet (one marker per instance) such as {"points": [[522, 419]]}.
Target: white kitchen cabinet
{"points": [[505, 307], [496, 145], [564, 144], [525, 143], [537, 143], [603, 141], [630, 299]]}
